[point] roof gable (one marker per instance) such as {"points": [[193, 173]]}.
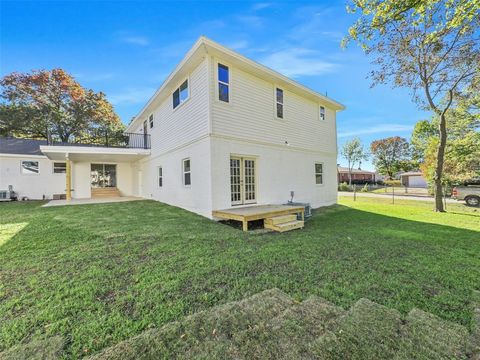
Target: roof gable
{"points": [[204, 46]]}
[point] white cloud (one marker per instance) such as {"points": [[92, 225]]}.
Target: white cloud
{"points": [[380, 128], [251, 21], [296, 62], [261, 6], [237, 45], [135, 40], [132, 96], [315, 23]]}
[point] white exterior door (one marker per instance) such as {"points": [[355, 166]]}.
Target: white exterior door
{"points": [[243, 174]]}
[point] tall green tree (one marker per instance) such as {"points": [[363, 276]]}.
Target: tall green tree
{"points": [[354, 152], [462, 153], [428, 46], [51, 103], [391, 155]]}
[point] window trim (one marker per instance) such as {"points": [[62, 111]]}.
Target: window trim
{"points": [[185, 172], [275, 88], [150, 120], [159, 176], [187, 79], [230, 82], [322, 173], [31, 174], [53, 167], [320, 107]]}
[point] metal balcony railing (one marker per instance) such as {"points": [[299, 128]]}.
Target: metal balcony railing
{"points": [[122, 140]]}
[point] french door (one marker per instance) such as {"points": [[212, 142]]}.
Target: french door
{"points": [[243, 180]]}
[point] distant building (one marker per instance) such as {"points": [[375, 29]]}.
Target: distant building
{"points": [[358, 175], [413, 179]]}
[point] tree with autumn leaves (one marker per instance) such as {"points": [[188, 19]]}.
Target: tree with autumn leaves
{"points": [[44, 104]]}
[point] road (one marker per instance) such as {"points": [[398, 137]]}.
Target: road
{"points": [[400, 197]]}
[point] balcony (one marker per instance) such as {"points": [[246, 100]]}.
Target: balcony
{"points": [[121, 141], [121, 147]]}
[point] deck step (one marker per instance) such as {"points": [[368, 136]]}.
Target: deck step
{"points": [[105, 192], [291, 225], [281, 219]]}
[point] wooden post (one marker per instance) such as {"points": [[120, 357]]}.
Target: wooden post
{"points": [[68, 178], [245, 225]]}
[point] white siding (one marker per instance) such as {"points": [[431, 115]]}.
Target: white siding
{"points": [[197, 197], [33, 186], [251, 115], [279, 171], [188, 122]]}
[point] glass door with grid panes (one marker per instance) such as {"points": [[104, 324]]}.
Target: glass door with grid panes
{"points": [[243, 180]]}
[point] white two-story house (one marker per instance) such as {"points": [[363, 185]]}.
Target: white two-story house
{"points": [[223, 131]]}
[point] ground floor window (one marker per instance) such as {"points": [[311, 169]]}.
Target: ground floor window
{"points": [[30, 167], [318, 173], [160, 176], [187, 176], [59, 168], [103, 175]]}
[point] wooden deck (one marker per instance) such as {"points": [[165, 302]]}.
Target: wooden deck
{"points": [[258, 212]]}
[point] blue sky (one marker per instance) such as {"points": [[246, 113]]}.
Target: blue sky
{"points": [[126, 49]]}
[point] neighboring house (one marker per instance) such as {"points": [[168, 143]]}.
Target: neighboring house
{"points": [[224, 131], [358, 175], [413, 179]]}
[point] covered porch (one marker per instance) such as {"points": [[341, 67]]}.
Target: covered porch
{"points": [[97, 172]]}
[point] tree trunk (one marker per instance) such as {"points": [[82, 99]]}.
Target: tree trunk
{"points": [[349, 174], [439, 167]]}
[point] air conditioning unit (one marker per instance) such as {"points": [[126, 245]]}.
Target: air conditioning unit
{"points": [[5, 195], [308, 208], [8, 195]]}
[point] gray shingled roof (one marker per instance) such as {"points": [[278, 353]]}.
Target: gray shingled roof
{"points": [[10, 145]]}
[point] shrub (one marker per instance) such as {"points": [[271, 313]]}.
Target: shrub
{"points": [[343, 187], [395, 183], [364, 188]]}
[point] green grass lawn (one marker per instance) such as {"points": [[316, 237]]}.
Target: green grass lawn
{"points": [[98, 274]]}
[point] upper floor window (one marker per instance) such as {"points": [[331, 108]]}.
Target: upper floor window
{"points": [[279, 101], [318, 173], [181, 94], [223, 83], [160, 176], [59, 168], [322, 113], [150, 120], [187, 177]]}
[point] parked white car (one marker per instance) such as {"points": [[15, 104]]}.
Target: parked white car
{"points": [[471, 194]]}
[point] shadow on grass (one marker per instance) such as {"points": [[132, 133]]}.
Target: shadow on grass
{"points": [[98, 274]]}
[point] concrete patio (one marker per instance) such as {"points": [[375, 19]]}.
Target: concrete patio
{"points": [[91, 201]]}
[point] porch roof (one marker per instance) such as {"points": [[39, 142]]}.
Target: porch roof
{"points": [[97, 153]]}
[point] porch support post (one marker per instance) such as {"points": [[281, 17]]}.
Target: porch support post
{"points": [[68, 179]]}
